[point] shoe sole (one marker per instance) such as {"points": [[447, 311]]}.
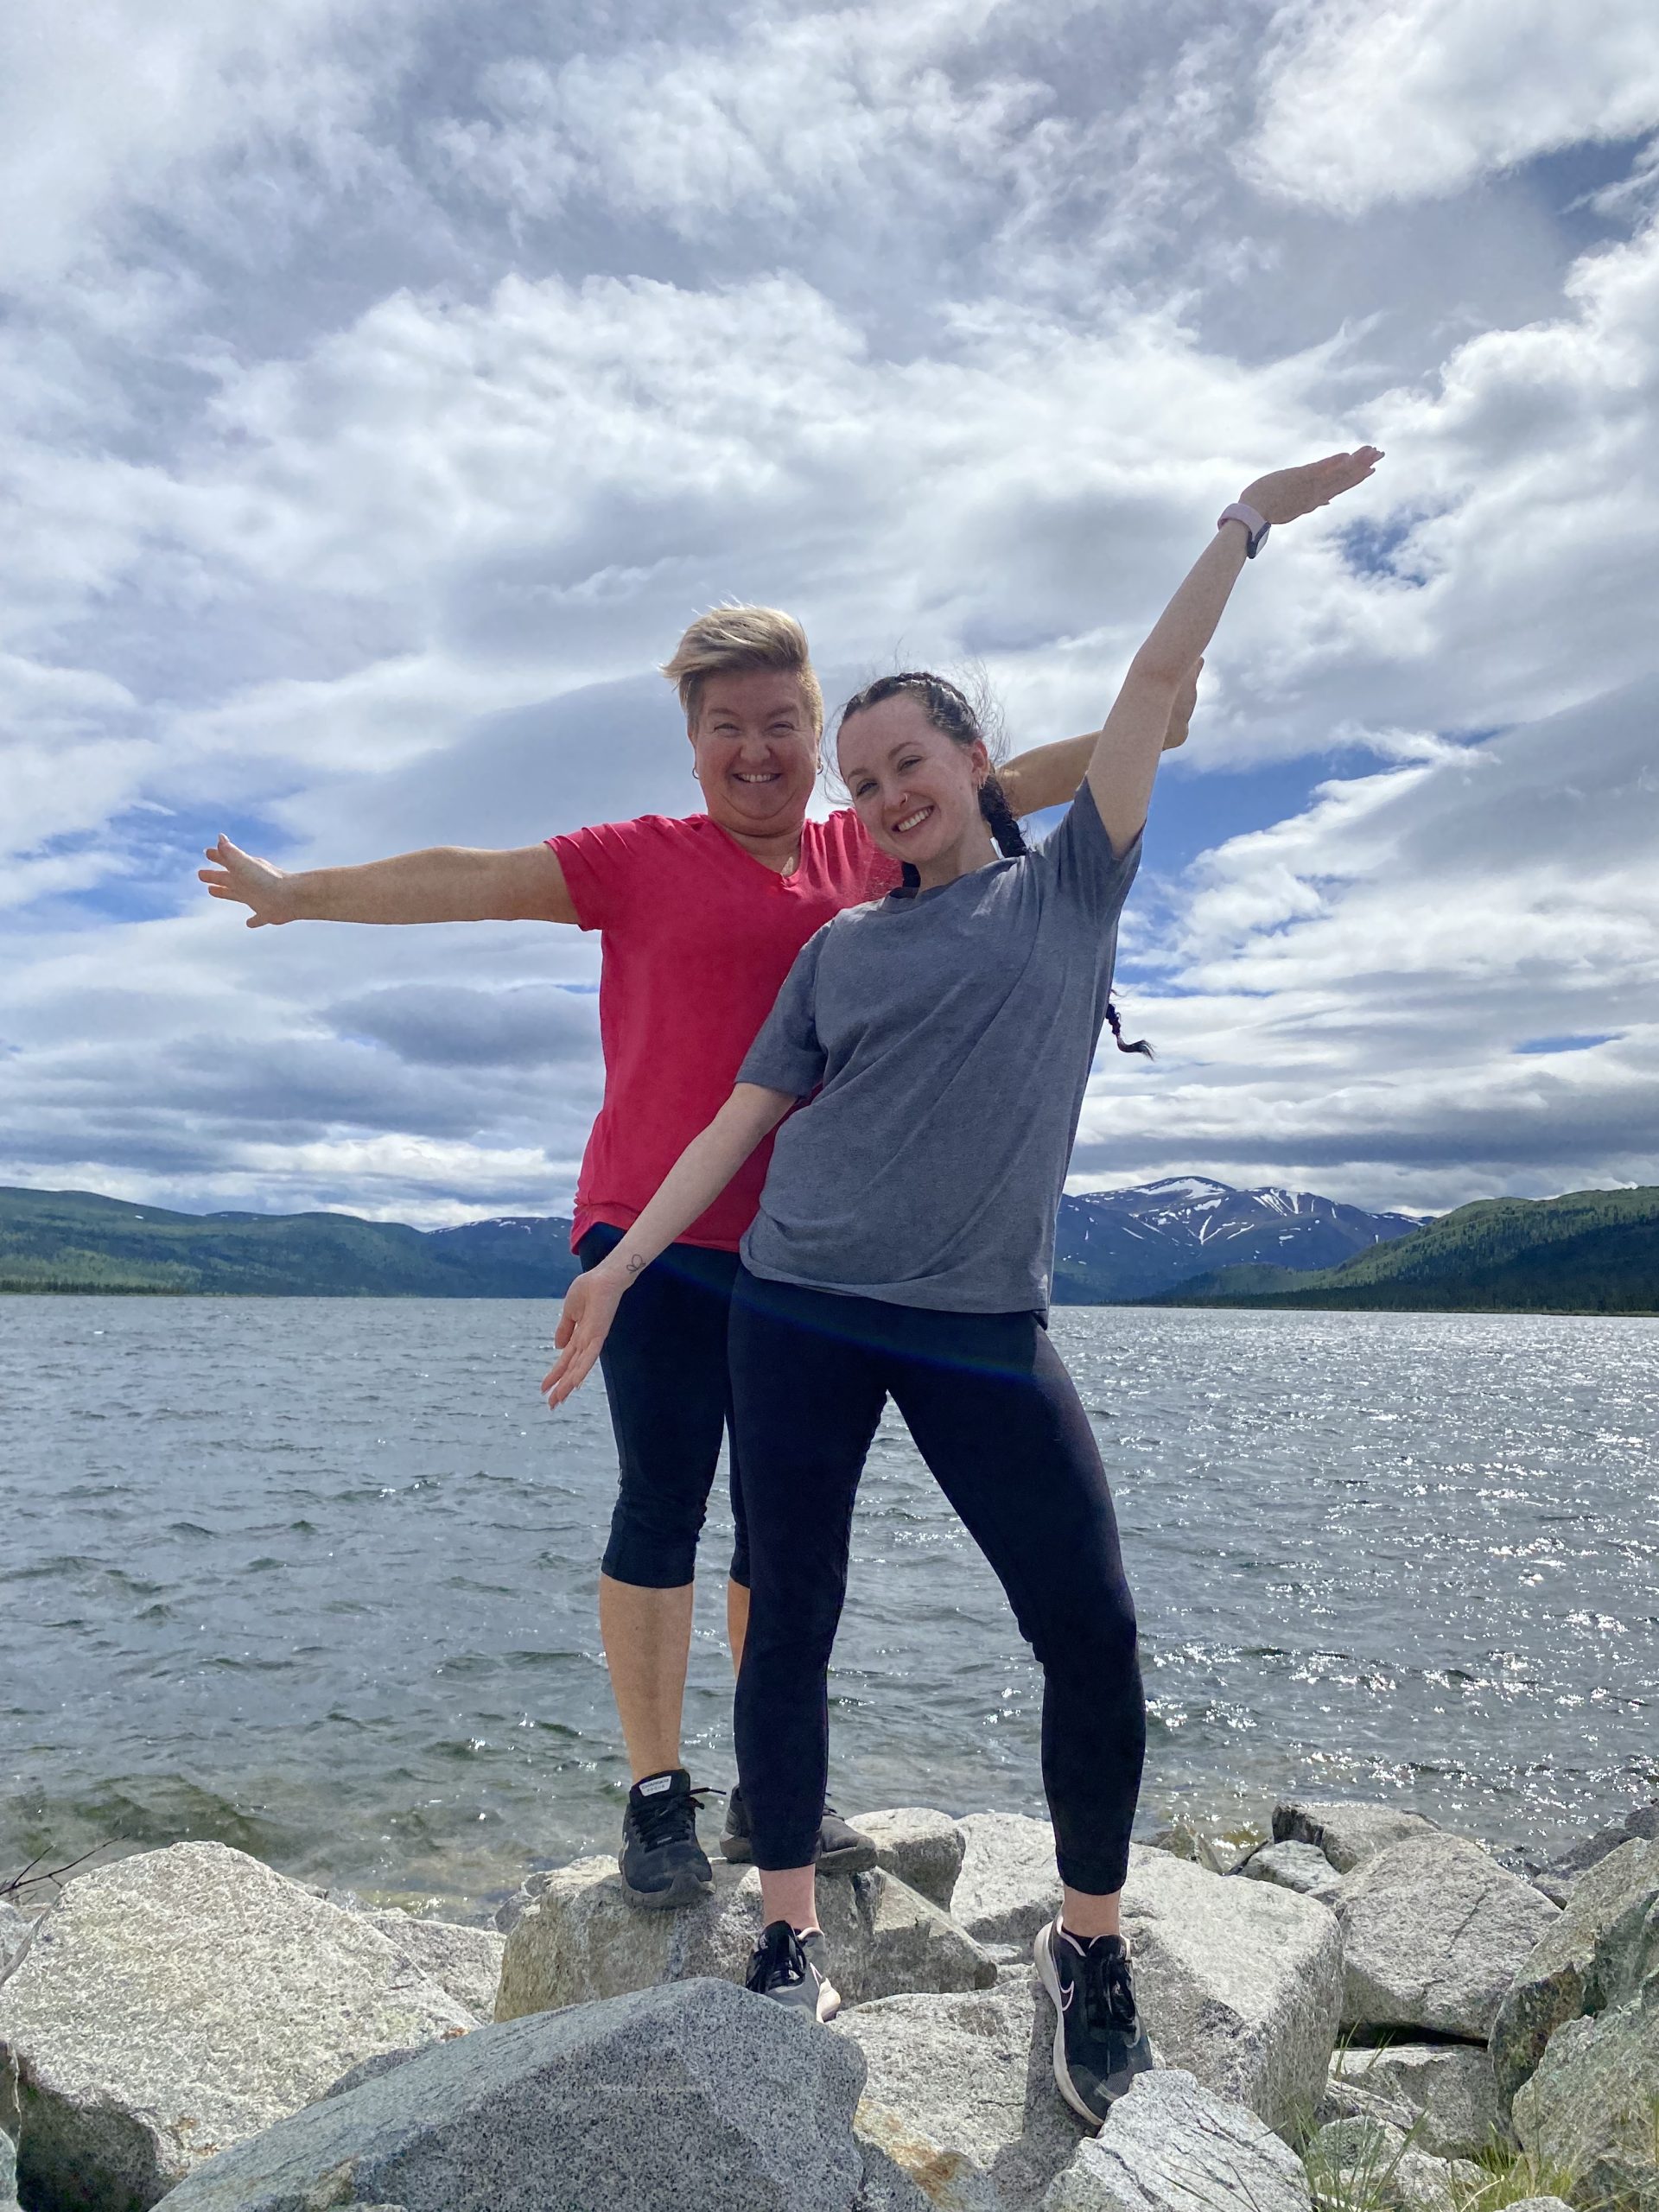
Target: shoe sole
{"points": [[688, 1887], [1051, 1982]]}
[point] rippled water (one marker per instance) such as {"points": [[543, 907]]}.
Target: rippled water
{"points": [[316, 1577]]}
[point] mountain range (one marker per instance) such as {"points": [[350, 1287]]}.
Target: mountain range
{"points": [[1589, 1252], [1112, 1247]]}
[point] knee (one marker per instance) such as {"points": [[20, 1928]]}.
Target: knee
{"points": [[653, 1541]]}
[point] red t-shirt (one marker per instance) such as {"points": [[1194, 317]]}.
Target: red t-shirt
{"points": [[698, 936]]}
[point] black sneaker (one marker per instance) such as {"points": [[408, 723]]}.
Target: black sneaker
{"points": [[663, 1864], [1099, 2043], [841, 1848], [790, 1970]]}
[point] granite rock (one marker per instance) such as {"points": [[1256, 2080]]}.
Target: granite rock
{"points": [[1539, 2204], [960, 2094], [1641, 1822], [178, 2001], [8, 2173], [581, 1940], [16, 1932], [1302, 1867], [1591, 2107], [1444, 2095], [1435, 1932], [886, 2187], [923, 1848], [694, 2098], [1239, 1982], [1550, 1987], [1370, 2162], [1172, 2146], [466, 1961], [1009, 1884], [1346, 1832]]}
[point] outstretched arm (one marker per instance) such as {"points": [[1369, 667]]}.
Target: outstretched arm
{"points": [[1126, 755], [1048, 775], [446, 883], [690, 1188]]}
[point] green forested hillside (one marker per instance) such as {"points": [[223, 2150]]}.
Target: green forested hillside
{"points": [[1589, 1252], [76, 1241]]}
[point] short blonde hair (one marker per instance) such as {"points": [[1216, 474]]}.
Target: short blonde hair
{"points": [[728, 639]]}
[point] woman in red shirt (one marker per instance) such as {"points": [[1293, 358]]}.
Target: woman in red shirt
{"points": [[700, 917]]}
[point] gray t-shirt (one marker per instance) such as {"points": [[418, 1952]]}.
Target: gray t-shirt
{"points": [[949, 1039]]}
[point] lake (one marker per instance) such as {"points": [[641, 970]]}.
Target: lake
{"points": [[316, 1577]]}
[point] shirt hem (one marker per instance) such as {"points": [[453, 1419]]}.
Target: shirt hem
{"points": [[909, 1294]]}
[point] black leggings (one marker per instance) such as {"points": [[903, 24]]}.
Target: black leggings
{"points": [[998, 1420], [664, 1368]]}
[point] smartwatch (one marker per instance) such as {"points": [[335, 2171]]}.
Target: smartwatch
{"points": [[1256, 526]]}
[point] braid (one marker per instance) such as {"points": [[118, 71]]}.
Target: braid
{"points": [[1001, 816], [1140, 1045]]}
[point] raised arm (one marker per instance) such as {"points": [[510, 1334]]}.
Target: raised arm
{"points": [[1048, 775], [690, 1188], [445, 883], [1126, 755]]}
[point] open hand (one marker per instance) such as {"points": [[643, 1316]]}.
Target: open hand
{"points": [[239, 876], [1181, 713], [590, 1307], [1285, 493]]}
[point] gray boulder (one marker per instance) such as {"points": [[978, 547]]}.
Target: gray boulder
{"points": [[1443, 2095], [695, 2098], [581, 1940], [1240, 1983], [1435, 1932], [1346, 1832], [1540, 2204], [1591, 2107], [1369, 2163], [1550, 1987], [16, 1932], [960, 2094], [1642, 1823], [1302, 1867], [1009, 1884], [1172, 2146], [923, 1848], [466, 1961], [178, 2001], [886, 2187]]}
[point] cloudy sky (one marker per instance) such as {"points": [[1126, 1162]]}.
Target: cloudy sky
{"points": [[383, 386]]}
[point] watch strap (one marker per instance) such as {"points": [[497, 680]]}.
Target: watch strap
{"points": [[1256, 526]]}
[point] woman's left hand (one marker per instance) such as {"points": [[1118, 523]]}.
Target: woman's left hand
{"points": [[590, 1307], [1181, 713], [1286, 494]]}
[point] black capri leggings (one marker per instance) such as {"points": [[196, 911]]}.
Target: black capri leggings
{"points": [[664, 1368], [997, 1419]]}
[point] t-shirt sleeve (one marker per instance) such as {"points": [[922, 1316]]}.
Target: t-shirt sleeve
{"points": [[786, 1055], [1084, 867], [603, 865]]}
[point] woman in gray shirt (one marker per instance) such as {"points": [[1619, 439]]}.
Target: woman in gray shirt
{"points": [[942, 1039]]}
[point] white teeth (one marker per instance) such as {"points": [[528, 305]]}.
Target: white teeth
{"points": [[911, 820]]}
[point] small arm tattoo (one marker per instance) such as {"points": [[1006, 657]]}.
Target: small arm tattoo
{"points": [[637, 1264]]}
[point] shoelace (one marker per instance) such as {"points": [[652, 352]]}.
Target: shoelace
{"points": [[778, 1958], [1108, 1992], [660, 1819]]}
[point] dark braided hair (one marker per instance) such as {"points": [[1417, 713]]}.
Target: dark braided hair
{"points": [[950, 710]]}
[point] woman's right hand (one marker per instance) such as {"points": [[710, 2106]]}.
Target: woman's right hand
{"points": [[590, 1307], [1285, 494], [235, 875]]}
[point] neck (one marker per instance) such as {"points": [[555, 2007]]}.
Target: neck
{"points": [[778, 848], [974, 849]]}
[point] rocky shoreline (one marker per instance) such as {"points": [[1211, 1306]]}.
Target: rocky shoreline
{"points": [[1363, 2011]]}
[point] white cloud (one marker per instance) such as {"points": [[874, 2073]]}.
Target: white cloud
{"points": [[367, 517], [1365, 101]]}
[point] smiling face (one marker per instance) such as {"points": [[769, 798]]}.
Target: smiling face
{"points": [[754, 746], [916, 789]]}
